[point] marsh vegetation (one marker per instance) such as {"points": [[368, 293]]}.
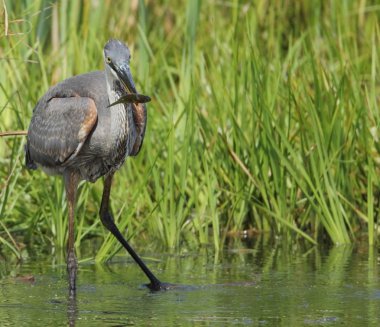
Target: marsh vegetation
{"points": [[264, 118]]}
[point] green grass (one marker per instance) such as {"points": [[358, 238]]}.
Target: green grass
{"points": [[264, 116]]}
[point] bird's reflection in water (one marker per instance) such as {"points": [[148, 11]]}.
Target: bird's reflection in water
{"points": [[72, 308]]}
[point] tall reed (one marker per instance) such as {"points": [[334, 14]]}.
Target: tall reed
{"points": [[264, 117]]}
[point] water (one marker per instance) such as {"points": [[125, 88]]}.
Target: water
{"points": [[263, 285]]}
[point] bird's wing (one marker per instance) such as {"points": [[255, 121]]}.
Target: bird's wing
{"points": [[59, 128], [139, 116]]}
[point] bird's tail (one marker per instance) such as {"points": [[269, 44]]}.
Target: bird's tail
{"points": [[29, 163]]}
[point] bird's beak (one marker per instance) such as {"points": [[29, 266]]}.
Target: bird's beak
{"points": [[125, 76]]}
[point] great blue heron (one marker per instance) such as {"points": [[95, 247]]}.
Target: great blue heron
{"points": [[83, 128]]}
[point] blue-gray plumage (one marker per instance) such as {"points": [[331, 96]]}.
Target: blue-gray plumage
{"points": [[73, 127], [83, 128]]}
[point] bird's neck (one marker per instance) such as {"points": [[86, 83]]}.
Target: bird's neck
{"points": [[114, 88], [122, 122]]}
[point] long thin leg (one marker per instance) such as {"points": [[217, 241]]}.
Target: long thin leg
{"points": [[71, 185], [108, 222]]}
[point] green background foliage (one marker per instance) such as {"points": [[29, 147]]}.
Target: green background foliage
{"points": [[264, 119]]}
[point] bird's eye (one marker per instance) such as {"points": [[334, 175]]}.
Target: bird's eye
{"points": [[108, 59]]}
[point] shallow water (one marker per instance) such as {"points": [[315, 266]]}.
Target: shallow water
{"points": [[266, 285]]}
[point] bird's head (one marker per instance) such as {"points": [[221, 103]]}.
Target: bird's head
{"points": [[116, 58]]}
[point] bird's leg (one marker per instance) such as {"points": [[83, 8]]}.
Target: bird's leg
{"points": [[71, 185], [108, 222]]}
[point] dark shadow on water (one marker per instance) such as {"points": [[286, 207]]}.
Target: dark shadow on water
{"points": [[183, 287]]}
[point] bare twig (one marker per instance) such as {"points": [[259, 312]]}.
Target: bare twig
{"points": [[13, 133]]}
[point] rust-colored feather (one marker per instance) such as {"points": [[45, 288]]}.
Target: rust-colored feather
{"points": [[140, 117]]}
